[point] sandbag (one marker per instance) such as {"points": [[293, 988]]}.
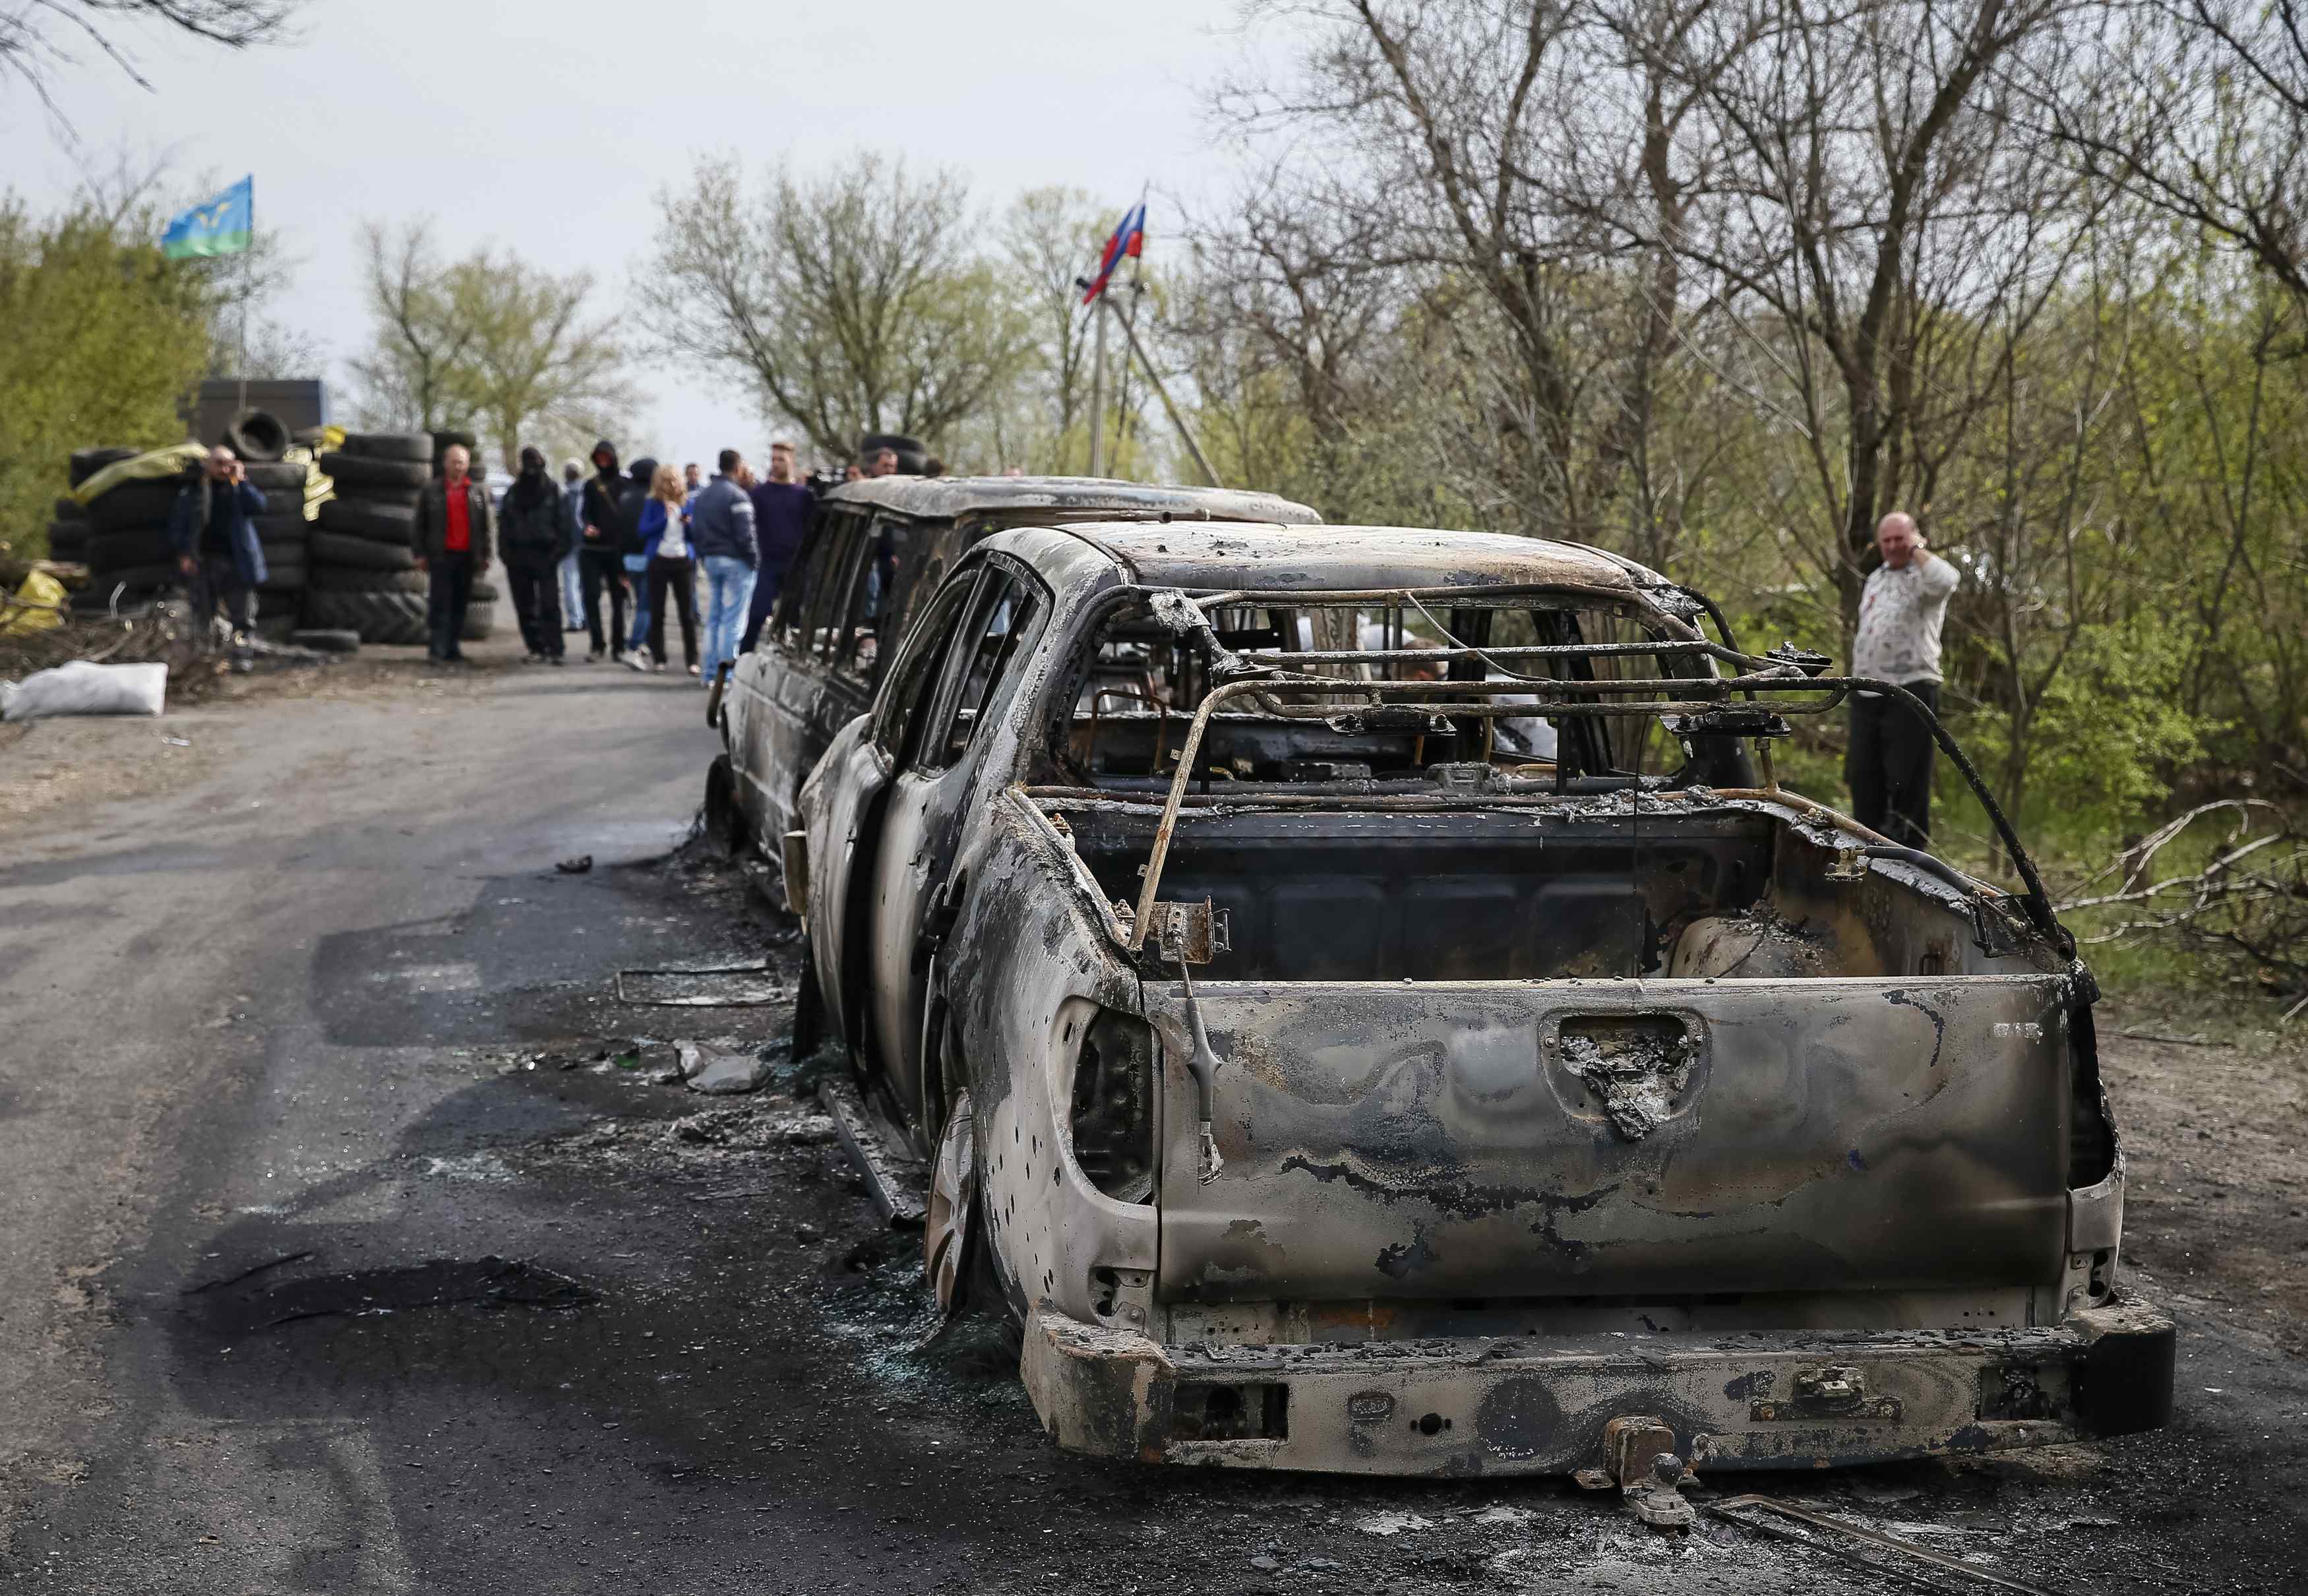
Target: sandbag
{"points": [[85, 688]]}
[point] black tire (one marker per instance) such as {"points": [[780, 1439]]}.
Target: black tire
{"points": [[121, 551], [289, 531], [378, 497], [809, 1008], [352, 470], [285, 582], [357, 579], [86, 462], [725, 818], [257, 434], [417, 447], [67, 539], [70, 510], [140, 504], [373, 523], [279, 476], [392, 618], [480, 623], [334, 549], [483, 592]]}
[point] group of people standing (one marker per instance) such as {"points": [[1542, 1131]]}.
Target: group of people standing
{"points": [[646, 532]]}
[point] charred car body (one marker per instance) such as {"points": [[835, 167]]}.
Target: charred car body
{"points": [[876, 552], [1331, 1080]]}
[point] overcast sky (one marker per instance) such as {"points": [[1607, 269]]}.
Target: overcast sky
{"points": [[549, 125]]}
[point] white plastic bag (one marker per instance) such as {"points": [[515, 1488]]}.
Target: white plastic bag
{"points": [[82, 688]]}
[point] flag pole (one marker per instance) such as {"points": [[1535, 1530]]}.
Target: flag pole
{"points": [[1098, 390], [1201, 460]]}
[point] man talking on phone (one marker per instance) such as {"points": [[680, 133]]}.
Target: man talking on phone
{"points": [[212, 529]]}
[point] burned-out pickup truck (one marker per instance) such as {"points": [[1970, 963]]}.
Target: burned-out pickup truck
{"points": [[1368, 1006]]}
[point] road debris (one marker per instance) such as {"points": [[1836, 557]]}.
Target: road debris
{"points": [[1731, 1508], [716, 986], [576, 866]]}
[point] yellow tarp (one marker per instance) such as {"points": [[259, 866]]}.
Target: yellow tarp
{"points": [[174, 461], [42, 589]]}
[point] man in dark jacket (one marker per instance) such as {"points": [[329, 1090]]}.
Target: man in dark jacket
{"points": [[534, 535], [213, 534], [782, 508], [451, 540], [598, 558], [632, 553], [721, 532]]}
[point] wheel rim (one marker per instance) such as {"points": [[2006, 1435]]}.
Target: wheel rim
{"points": [[953, 1187]]}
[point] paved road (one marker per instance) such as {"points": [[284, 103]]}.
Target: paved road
{"points": [[354, 1246]]}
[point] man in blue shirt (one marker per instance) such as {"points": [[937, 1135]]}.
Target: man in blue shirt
{"points": [[722, 526]]}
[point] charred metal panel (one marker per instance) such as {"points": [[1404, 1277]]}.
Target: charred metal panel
{"points": [[1409, 1140], [1033, 971], [1529, 1407]]}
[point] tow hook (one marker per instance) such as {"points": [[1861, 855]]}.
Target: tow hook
{"points": [[1639, 1457]]}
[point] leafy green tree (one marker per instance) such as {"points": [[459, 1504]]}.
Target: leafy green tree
{"points": [[105, 338]]}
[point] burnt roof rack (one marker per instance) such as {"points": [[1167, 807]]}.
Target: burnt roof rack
{"points": [[1273, 675]]}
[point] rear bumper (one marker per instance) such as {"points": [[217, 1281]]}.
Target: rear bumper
{"points": [[1531, 1406]]}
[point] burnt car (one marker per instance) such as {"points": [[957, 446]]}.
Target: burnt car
{"points": [[877, 549], [1453, 1051]]}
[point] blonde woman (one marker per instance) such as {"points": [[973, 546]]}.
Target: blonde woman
{"points": [[671, 572]]}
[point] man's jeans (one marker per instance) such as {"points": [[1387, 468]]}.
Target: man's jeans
{"points": [[572, 595], [730, 582], [636, 568], [217, 581], [452, 587]]}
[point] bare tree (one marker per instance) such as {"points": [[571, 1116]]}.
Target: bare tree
{"points": [[417, 372], [2209, 123], [488, 341], [848, 303], [39, 37]]}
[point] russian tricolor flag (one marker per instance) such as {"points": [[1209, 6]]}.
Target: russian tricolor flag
{"points": [[1129, 240]]}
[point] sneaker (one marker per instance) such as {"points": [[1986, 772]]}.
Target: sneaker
{"points": [[592, 656], [558, 660], [693, 670], [636, 661]]}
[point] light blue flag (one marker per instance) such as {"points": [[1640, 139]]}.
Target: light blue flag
{"points": [[221, 226]]}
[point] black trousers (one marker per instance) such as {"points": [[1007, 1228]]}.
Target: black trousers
{"points": [[676, 580], [534, 581], [1889, 766], [449, 591], [216, 581], [597, 569]]}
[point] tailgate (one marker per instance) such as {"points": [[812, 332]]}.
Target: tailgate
{"points": [[1573, 1138]]}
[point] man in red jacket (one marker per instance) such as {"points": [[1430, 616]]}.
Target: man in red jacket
{"points": [[452, 543]]}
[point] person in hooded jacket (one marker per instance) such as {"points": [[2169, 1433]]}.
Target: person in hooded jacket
{"points": [[532, 537], [598, 562]]}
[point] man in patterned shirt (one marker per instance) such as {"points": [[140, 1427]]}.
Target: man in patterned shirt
{"points": [[1900, 612]]}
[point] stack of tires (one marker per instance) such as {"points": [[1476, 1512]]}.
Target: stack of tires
{"points": [[123, 533], [363, 574]]}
